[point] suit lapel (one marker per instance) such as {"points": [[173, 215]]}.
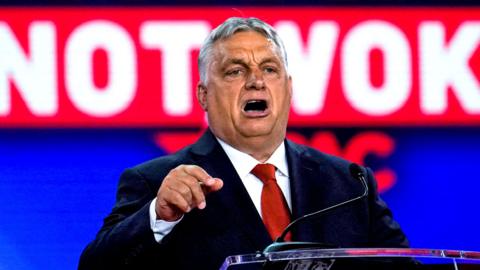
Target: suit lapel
{"points": [[309, 183], [239, 210]]}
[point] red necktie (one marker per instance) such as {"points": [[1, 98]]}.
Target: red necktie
{"points": [[275, 212]]}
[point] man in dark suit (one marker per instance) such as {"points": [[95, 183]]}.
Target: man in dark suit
{"points": [[191, 209]]}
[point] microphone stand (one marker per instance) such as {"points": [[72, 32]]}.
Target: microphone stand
{"points": [[280, 245]]}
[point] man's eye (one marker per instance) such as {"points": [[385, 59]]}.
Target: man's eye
{"points": [[234, 72], [270, 70]]}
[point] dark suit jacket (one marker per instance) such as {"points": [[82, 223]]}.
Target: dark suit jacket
{"points": [[230, 224]]}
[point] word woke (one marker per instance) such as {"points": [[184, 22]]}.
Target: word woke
{"points": [[124, 67]]}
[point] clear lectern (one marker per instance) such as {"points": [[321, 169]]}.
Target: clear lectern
{"points": [[350, 259]]}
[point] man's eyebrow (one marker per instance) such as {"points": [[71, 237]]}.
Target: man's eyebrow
{"points": [[235, 61], [270, 60]]}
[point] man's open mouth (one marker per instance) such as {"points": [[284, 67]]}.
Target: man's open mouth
{"points": [[255, 106]]}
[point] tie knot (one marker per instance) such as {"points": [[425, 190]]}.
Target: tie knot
{"points": [[264, 172]]}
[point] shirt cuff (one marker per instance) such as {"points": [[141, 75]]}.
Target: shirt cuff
{"points": [[160, 227]]}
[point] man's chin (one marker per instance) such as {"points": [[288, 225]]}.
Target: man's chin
{"points": [[260, 130]]}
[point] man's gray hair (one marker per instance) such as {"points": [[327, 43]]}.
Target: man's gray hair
{"points": [[229, 28]]}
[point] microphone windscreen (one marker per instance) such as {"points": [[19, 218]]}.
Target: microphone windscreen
{"points": [[355, 170]]}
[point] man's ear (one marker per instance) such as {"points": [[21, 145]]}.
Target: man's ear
{"points": [[202, 95], [290, 86]]}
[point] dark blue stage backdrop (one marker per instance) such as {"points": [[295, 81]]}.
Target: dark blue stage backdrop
{"points": [[86, 92]]}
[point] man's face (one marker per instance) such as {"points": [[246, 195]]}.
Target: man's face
{"points": [[247, 91]]}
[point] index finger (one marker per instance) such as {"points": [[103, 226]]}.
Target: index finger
{"points": [[200, 174]]}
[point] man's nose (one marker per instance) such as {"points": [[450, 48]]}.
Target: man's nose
{"points": [[255, 80]]}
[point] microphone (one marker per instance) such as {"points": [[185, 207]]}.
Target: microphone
{"points": [[279, 244]]}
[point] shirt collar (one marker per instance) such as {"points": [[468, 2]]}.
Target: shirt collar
{"points": [[244, 163]]}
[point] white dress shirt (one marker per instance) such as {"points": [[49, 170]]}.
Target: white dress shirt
{"points": [[243, 164]]}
